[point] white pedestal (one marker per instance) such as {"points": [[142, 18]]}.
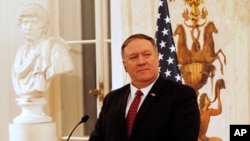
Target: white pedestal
{"points": [[32, 132], [32, 111]]}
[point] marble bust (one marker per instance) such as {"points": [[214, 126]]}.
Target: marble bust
{"points": [[41, 57]]}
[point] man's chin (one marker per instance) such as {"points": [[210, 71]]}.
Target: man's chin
{"points": [[144, 72], [145, 78]]}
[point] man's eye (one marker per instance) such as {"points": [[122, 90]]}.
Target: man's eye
{"points": [[132, 57]]}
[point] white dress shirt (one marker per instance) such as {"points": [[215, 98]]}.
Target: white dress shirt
{"points": [[133, 90]]}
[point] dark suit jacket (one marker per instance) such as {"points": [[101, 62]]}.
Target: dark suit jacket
{"points": [[169, 113]]}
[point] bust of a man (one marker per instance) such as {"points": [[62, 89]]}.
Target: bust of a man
{"points": [[41, 57]]}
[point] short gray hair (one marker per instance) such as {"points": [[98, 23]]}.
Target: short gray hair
{"points": [[138, 36]]}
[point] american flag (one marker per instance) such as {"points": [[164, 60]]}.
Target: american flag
{"points": [[166, 47]]}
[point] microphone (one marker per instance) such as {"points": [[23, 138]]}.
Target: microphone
{"points": [[84, 119]]}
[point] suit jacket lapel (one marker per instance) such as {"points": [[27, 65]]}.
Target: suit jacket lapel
{"points": [[152, 96], [123, 104]]}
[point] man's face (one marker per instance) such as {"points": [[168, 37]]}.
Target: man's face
{"points": [[140, 60], [32, 28]]}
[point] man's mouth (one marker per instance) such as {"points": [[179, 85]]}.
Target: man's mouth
{"points": [[142, 70]]}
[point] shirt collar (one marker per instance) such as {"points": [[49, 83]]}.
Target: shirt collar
{"points": [[144, 90]]}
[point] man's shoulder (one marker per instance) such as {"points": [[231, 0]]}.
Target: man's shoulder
{"points": [[121, 89], [163, 82]]}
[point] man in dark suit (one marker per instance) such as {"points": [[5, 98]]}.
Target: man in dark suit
{"points": [[168, 111]]}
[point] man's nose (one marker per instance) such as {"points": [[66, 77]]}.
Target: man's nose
{"points": [[141, 60]]}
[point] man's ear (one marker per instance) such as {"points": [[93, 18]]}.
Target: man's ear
{"points": [[124, 66]]}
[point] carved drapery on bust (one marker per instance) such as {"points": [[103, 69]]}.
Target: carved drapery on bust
{"points": [[34, 68]]}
